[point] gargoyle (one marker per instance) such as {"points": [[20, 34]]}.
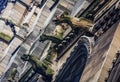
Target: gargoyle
{"points": [[56, 36], [38, 66], [74, 22], [12, 75]]}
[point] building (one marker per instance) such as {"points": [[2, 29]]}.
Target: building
{"points": [[83, 59], [101, 63], [21, 12]]}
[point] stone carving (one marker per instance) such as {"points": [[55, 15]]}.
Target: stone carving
{"points": [[12, 75], [38, 66], [63, 23], [57, 35], [10, 23], [74, 22]]}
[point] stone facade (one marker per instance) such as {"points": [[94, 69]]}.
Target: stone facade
{"points": [[18, 13]]}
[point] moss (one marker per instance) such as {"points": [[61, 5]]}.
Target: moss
{"points": [[53, 38], [39, 66], [66, 13], [49, 71], [66, 17], [5, 37], [58, 36]]}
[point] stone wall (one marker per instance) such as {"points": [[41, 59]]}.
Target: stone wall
{"points": [[99, 61]]}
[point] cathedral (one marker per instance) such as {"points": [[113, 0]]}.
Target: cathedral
{"points": [[59, 41]]}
